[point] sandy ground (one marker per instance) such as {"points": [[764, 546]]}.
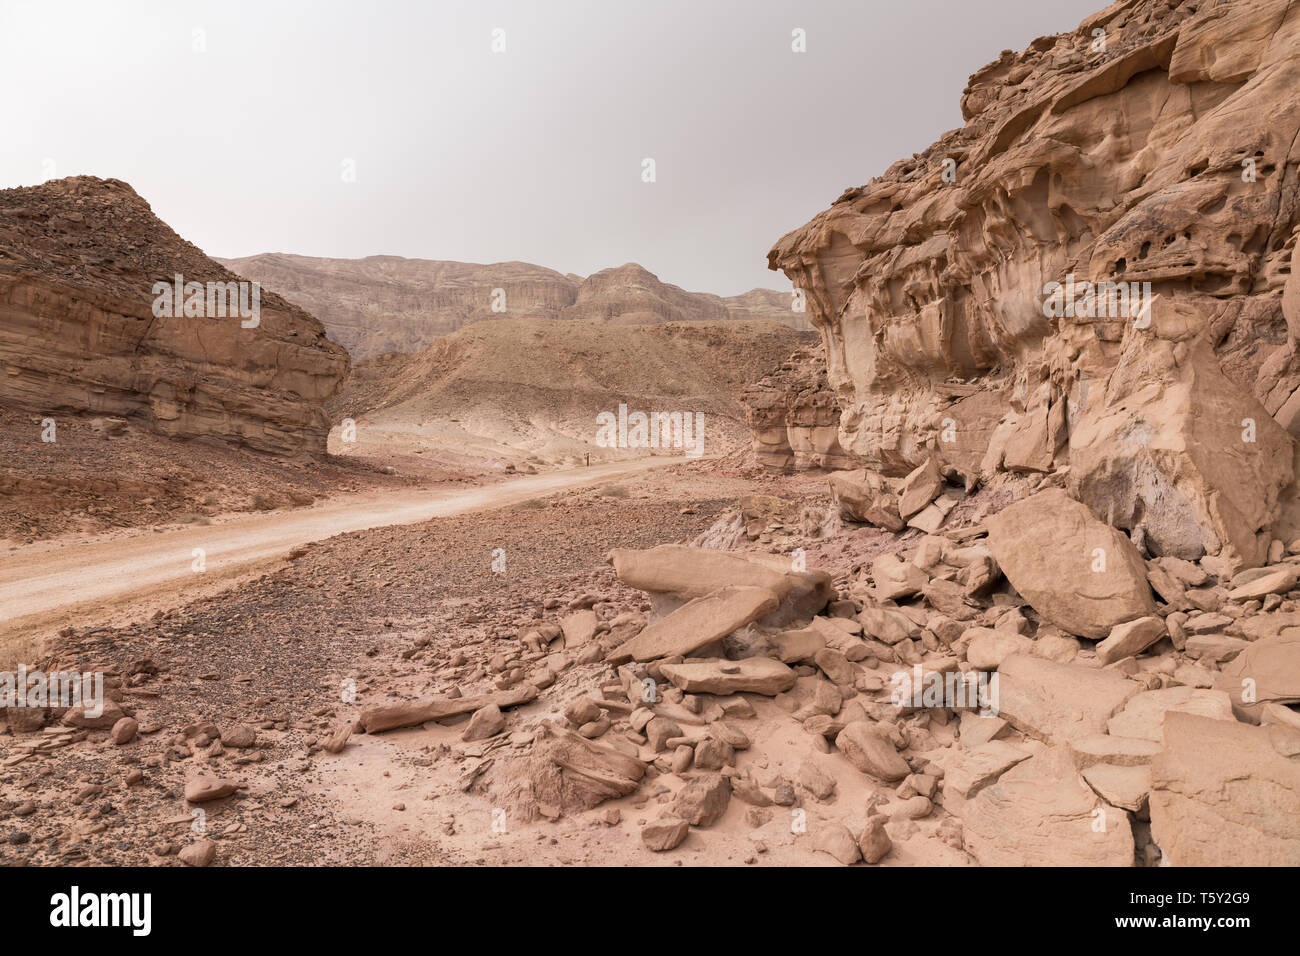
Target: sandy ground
{"points": [[51, 584], [401, 610]]}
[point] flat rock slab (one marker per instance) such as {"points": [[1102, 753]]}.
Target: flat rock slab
{"points": [[754, 675], [579, 628], [1059, 702], [1222, 795], [1144, 715], [988, 648], [1131, 638], [682, 573], [1267, 671], [697, 624], [975, 769], [1214, 647], [1077, 572], [694, 572], [1125, 787], [408, 713], [1117, 751], [799, 645], [1274, 582], [1042, 813]]}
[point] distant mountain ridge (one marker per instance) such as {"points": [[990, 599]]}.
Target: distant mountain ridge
{"points": [[383, 304]]}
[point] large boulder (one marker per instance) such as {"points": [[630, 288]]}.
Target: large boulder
{"points": [[673, 574], [1176, 453], [1077, 572], [1223, 795], [864, 495]]}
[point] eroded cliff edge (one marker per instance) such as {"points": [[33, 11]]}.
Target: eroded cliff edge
{"points": [[79, 258], [1157, 143]]}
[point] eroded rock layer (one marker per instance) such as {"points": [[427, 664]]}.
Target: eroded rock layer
{"points": [[1156, 149], [794, 417], [78, 261]]}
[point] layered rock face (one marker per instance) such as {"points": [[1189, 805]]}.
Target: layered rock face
{"points": [[540, 384], [1155, 148], [390, 304], [794, 417], [79, 258], [384, 304]]}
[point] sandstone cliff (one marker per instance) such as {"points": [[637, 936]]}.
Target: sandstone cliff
{"points": [[389, 304], [1157, 143], [78, 261]]}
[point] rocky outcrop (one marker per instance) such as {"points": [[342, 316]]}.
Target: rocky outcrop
{"points": [[383, 304], [960, 296], [79, 259], [794, 417]]}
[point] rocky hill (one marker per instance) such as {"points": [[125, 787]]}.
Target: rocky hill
{"points": [[537, 385], [79, 258], [386, 304], [1154, 148]]}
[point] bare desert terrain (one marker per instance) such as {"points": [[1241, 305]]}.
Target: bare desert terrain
{"points": [[980, 548]]}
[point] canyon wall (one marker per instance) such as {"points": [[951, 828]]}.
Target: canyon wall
{"points": [[1155, 148], [79, 258]]}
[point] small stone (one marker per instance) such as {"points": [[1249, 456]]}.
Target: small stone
{"points": [[836, 840], [486, 722], [240, 737], [199, 853], [205, 787], [663, 834], [874, 841], [124, 731]]}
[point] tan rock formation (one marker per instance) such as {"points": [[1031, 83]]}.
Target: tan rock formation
{"points": [[78, 261], [1154, 144], [795, 419]]}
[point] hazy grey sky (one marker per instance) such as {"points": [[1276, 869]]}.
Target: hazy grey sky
{"points": [[534, 153]]}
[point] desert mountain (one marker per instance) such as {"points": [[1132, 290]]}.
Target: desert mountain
{"points": [[389, 304], [1150, 156], [79, 258], [496, 388]]}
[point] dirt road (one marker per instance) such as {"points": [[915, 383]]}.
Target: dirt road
{"points": [[39, 589]]}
